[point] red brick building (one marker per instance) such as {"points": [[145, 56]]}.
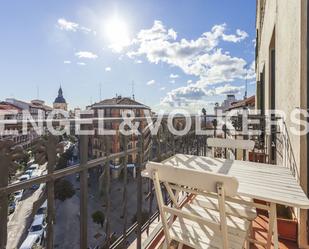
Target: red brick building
{"points": [[113, 108]]}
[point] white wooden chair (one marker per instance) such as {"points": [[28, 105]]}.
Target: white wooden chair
{"points": [[239, 206], [192, 224], [231, 144]]}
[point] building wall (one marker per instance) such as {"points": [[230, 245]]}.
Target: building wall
{"points": [[284, 27], [116, 139], [61, 106]]}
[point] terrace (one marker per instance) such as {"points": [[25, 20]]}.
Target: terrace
{"points": [[146, 230]]}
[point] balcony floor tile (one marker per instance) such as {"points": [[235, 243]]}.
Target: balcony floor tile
{"points": [[260, 227]]}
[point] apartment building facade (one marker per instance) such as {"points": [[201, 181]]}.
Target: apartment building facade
{"points": [[34, 107], [226, 104], [282, 79], [13, 131], [113, 109]]}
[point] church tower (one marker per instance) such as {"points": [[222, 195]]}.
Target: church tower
{"points": [[60, 102]]}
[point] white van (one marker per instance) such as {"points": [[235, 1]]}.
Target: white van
{"points": [[30, 241]]}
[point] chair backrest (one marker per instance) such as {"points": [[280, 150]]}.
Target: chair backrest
{"points": [[192, 182], [231, 143], [195, 179]]}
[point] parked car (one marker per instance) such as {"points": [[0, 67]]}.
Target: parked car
{"points": [[38, 227], [30, 162], [33, 167], [12, 207], [30, 241], [24, 178], [29, 172], [35, 186], [41, 211], [18, 195], [34, 175]]}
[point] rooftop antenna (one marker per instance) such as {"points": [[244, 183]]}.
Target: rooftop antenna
{"points": [[246, 91], [133, 95]]}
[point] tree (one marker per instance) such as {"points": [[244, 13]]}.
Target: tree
{"points": [[62, 163], [64, 158], [145, 217], [112, 239], [64, 189], [24, 161], [98, 217]]}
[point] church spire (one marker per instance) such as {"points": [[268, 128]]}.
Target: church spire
{"points": [[60, 102], [60, 93]]}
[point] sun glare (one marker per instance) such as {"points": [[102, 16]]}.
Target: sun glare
{"points": [[116, 31]]}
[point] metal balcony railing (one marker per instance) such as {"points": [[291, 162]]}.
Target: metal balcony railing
{"points": [[150, 147]]}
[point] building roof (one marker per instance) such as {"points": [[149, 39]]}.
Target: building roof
{"points": [[16, 102], [243, 103], [60, 99], [40, 105], [120, 102], [7, 106]]}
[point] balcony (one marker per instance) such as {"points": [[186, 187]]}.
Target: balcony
{"points": [[129, 205]]}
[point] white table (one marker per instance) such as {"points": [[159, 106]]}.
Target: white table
{"points": [[271, 183]]}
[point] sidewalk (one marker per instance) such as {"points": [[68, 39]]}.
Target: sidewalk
{"points": [[20, 220]]}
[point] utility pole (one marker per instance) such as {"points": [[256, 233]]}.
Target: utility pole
{"points": [[246, 91], [133, 94]]}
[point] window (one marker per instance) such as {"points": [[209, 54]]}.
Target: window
{"points": [[108, 125], [108, 112], [272, 94], [262, 92]]}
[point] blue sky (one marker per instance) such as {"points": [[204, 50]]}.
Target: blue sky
{"points": [[178, 53]]}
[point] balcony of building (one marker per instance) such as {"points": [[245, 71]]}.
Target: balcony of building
{"points": [[139, 224]]}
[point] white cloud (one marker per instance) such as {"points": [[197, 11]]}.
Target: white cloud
{"points": [[108, 69], [228, 89], [162, 88], [156, 32], [86, 55], [188, 95], [150, 82], [182, 96], [63, 24], [251, 72], [200, 57], [66, 25], [254, 42], [221, 67], [67, 62], [174, 76], [172, 81], [81, 63], [238, 37]]}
